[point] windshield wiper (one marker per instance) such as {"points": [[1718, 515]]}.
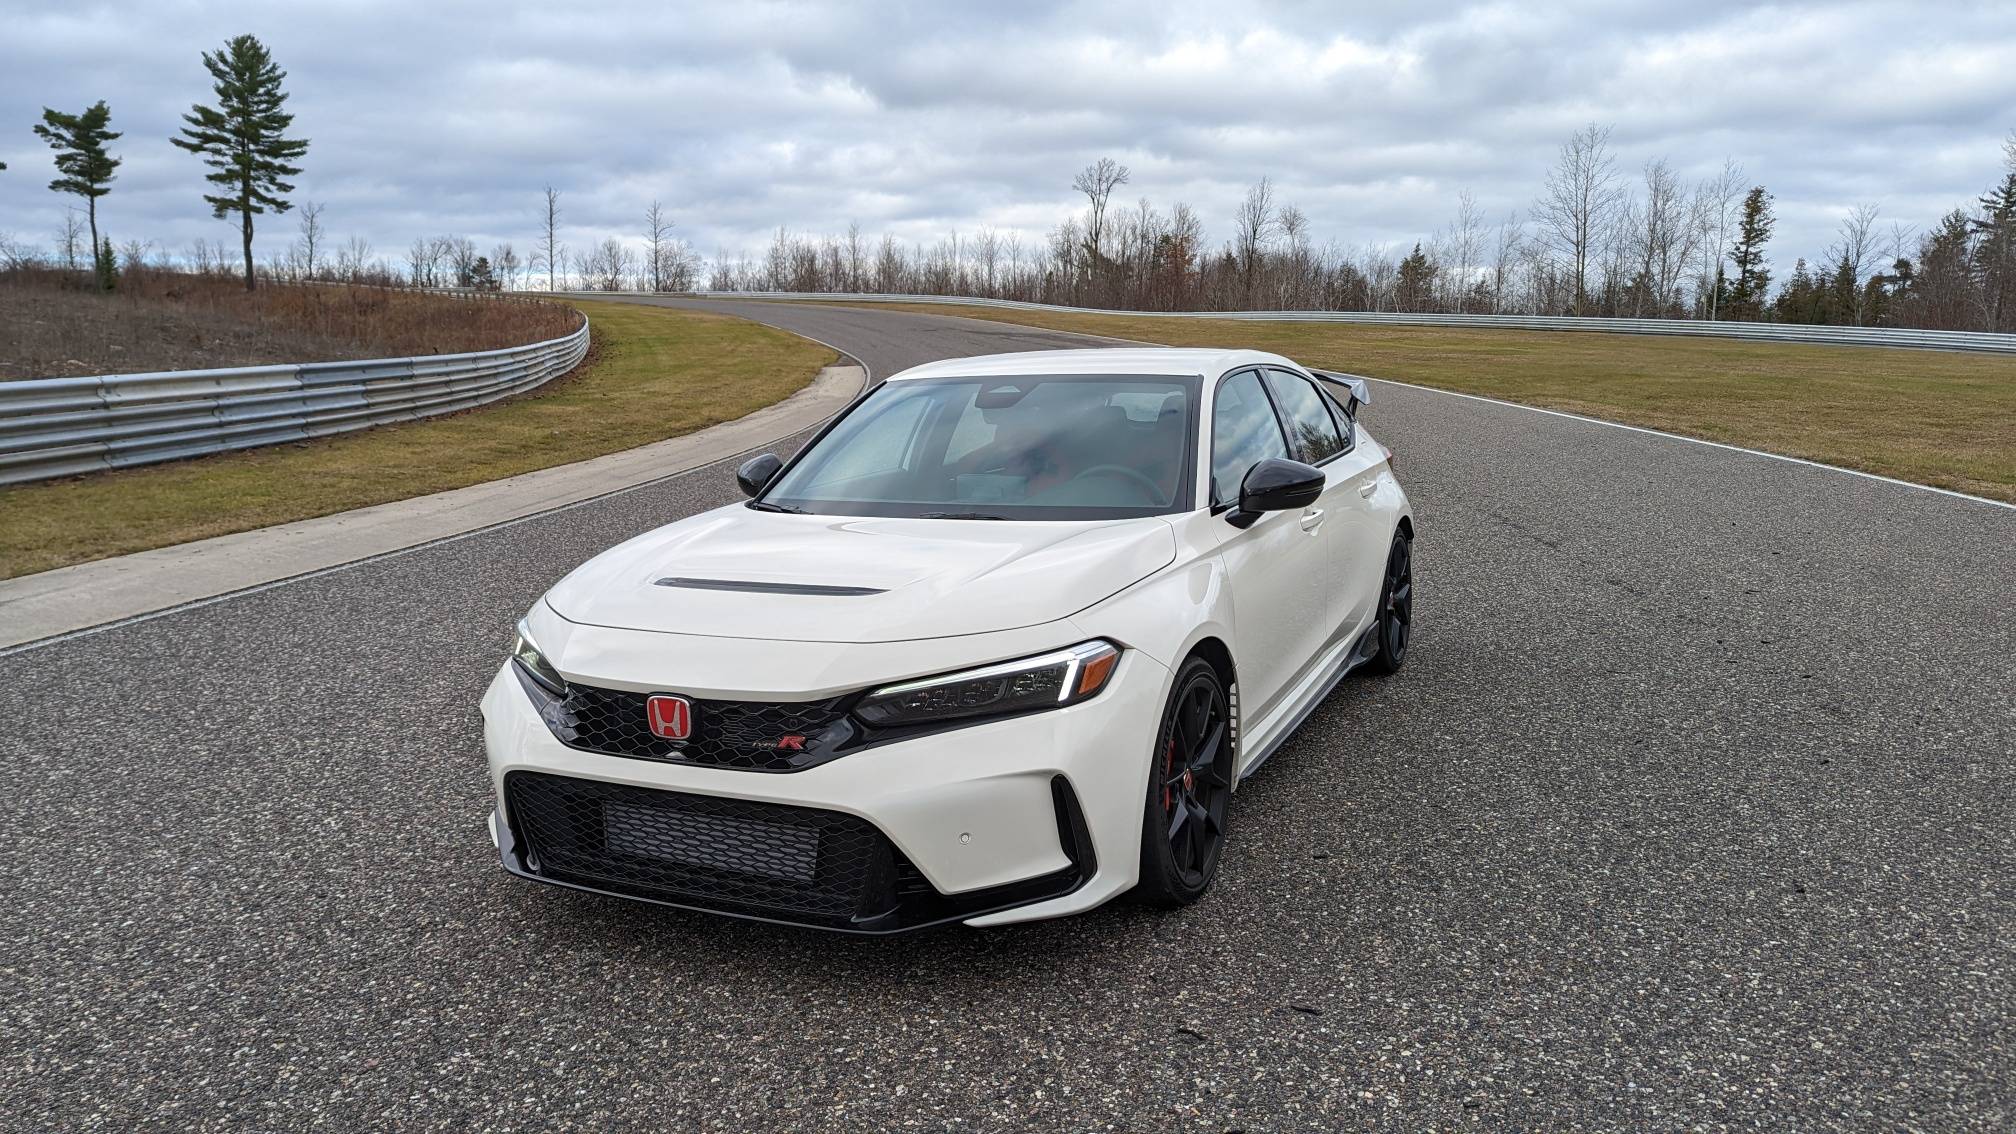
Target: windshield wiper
{"points": [[766, 506], [960, 516]]}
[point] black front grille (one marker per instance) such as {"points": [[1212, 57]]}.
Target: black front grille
{"points": [[762, 736], [766, 859]]}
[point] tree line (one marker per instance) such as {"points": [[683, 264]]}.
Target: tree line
{"points": [[1593, 242]]}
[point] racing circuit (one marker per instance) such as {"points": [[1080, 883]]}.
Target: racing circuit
{"points": [[1692, 808]]}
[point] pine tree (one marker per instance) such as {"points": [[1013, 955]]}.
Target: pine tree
{"points": [[1415, 286], [79, 141], [1842, 302], [106, 265], [242, 137], [1941, 287], [1801, 299], [1753, 279], [1996, 252]]}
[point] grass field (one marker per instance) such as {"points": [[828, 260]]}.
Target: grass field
{"points": [[654, 372], [1932, 417]]}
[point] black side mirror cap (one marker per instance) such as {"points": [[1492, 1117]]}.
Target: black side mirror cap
{"points": [[756, 473], [1276, 485]]}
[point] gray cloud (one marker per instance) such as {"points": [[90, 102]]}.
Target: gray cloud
{"points": [[920, 119]]}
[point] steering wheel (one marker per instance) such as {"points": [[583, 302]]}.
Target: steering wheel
{"points": [[1139, 478]]}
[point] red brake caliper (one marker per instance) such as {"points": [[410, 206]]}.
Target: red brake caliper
{"points": [[1168, 766]]}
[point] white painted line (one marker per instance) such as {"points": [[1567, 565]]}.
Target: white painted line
{"points": [[1710, 444]]}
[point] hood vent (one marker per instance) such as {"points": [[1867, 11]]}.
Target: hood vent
{"points": [[765, 588]]}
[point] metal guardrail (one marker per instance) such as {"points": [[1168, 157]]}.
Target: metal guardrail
{"points": [[63, 426], [1976, 341]]}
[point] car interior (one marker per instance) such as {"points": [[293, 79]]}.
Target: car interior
{"points": [[965, 446]]}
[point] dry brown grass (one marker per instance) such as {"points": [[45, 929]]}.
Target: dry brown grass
{"points": [[52, 325]]}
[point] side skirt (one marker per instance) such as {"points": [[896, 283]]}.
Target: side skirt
{"points": [[1361, 651]]}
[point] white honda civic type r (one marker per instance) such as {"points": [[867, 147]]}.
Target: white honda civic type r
{"points": [[996, 645]]}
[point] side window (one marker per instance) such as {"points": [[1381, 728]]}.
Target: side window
{"points": [[1345, 422], [1308, 415], [1244, 431]]}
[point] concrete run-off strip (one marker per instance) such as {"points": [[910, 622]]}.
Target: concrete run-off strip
{"points": [[69, 599]]}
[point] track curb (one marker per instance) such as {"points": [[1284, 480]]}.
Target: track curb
{"points": [[67, 600]]}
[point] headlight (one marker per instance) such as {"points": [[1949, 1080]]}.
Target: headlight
{"points": [[526, 654], [1063, 678]]}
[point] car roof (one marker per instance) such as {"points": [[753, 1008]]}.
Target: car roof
{"points": [[1206, 361]]}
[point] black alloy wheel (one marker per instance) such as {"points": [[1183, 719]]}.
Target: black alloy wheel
{"points": [[1396, 607], [1189, 786]]}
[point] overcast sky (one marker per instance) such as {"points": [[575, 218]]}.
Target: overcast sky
{"points": [[921, 119]]}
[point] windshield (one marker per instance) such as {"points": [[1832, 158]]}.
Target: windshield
{"points": [[1030, 447]]}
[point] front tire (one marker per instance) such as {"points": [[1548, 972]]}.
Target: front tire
{"points": [[1189, 786], [1395, 628]]}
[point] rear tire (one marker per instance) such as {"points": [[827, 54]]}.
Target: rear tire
{"points": [[1394, 630], [1189, 787]]}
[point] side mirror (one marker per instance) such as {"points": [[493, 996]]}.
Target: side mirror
{"points": [[756, 473], [1276, 485]]}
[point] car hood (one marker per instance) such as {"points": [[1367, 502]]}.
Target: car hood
{"points": [[751, 574]]}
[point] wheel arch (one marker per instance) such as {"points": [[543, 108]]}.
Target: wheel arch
{"points": [[1214, 649]]}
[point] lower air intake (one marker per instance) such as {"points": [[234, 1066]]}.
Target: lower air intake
{"points": [[792, 863]]}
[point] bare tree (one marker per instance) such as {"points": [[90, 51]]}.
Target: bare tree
{"points": [[1718, 205], [353, 258], [1852, 256], [987, 246], [1464, 246], [1296, 291], [133, 254], [69, 237], [1097, 181], [1505, 253], [1576, 208], [420, 261], [606, 265], [505, 263], [460, 254], [1665, 238], [311, 237], [552, 251], [1253, 230], [679, 267], [856, 257], [657, 232], [15, 255], [202, 260]]}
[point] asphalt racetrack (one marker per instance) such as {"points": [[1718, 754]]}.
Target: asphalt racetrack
{"points": [[1694, 808]]}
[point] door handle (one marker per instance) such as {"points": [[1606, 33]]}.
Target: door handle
{"points": [[1368, 488], [1312, 519]]}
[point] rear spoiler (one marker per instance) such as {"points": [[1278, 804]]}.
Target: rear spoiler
{"points": [[1356, 388]]}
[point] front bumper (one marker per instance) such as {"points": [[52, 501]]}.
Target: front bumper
{"points": [[1010, 820]]}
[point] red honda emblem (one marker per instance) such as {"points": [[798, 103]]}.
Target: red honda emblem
{"points": [[670, 717]]}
